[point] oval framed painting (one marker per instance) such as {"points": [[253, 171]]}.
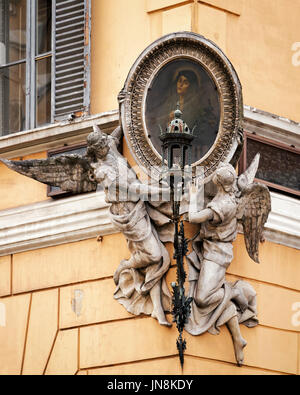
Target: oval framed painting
{"points": [[186, 71]]}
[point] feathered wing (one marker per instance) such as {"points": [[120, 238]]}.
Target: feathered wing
{"points": [[253, 210], [247, 177], [71, 173], [117, 134]]}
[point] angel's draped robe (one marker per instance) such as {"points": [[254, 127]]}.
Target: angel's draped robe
{"points": [[135, 284], [213, 304]]}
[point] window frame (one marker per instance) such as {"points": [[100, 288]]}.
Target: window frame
{"points": [[30, 62], [7, 66], [31, 114], [264, 140]]}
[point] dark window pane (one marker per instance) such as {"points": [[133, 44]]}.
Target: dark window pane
{"points": [[43, 26], [43, 91], [12, 99], [12, 30], [277, 165]]}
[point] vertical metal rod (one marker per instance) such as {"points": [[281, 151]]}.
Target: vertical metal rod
{"points": [[181, 304]]}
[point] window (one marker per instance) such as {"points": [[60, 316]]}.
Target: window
{"points": [[44, 62], [279, 166]]}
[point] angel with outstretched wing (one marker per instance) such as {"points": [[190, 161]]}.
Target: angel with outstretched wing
{"points": [[140, 280], [216, 301]]}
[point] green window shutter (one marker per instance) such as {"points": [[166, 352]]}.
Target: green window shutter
{"points": [[71, 59]]}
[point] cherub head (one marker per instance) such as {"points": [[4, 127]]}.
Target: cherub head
{"points": [[225, 177], [97, 144]]}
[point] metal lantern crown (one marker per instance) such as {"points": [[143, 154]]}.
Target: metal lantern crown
{"points": [[176, 142]]}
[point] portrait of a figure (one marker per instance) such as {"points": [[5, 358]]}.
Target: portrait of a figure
{"points": [[186, 85]]}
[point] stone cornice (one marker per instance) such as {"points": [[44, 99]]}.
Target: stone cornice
{"points": [[283, 226], [54, 222], [272, 126], [71, 132], [55, 135]]}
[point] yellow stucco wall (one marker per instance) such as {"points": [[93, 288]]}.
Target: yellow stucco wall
{"points": [[17, 190], [256, 35], [42, 333]]}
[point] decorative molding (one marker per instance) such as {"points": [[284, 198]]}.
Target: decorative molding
{"points": [[283, 225], [55, 135], [159, 5], [54, 222], [272, 126], [233, 7]]}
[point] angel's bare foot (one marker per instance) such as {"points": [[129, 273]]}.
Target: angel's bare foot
{"points": [[238, 350], [238, 342], [161, 319]]}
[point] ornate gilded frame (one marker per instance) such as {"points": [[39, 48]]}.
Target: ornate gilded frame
{"points": [[197, 48]]}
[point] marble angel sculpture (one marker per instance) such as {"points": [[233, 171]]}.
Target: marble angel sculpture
{"points": [[140, 281], [216, 301]]}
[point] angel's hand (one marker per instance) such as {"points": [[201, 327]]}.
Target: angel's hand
{"points": [[201, 216], [193, 199], [192, 190]]}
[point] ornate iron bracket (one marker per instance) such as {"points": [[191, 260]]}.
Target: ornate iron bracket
{"points": [[178, 137], [181, 304]]}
